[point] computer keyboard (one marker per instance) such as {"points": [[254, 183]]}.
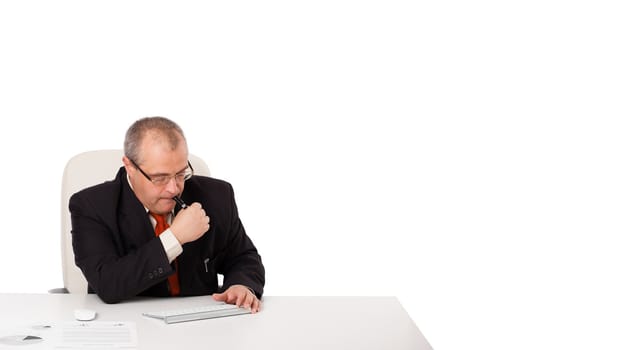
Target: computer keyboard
{"points": [[198, 313]]}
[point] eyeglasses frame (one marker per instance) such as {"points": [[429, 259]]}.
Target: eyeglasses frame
{"points": [[150, 179]]}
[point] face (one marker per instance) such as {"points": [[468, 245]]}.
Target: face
{"points": [[157, 159]]}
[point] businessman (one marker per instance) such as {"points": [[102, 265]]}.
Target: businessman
{"points": [[159, 230]]}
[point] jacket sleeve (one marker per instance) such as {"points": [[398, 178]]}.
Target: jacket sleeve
{"points": [[242, 263], [112, 273]]}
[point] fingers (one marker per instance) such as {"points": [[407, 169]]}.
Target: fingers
{"points": [[228, 297], [256, 305], [224, 297], [240, 296], [248, 300], [190, 224], [197, 211], [252, 303], [202, 217]]}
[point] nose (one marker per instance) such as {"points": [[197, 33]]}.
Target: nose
{"points": [[172, 185]]}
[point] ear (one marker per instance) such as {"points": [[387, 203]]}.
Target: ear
{"points": [[128, 165]]}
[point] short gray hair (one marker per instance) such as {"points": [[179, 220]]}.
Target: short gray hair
{"points": [[136, 132]]}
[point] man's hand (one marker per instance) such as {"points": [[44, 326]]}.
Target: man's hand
{"points": [[190, 224], [239, 295]]}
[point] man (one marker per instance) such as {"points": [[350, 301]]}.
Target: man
{"points": [[116, 227]]}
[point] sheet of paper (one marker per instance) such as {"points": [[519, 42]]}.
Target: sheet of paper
{"points": [[98, 334], [71, 335]]}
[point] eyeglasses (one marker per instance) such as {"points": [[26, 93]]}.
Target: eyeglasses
{"points": [[162, 180]]}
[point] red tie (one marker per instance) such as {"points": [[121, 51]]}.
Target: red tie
{"points": [[162, 225]]}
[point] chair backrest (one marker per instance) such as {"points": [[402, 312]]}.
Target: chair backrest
{"points": [[81, 171]]}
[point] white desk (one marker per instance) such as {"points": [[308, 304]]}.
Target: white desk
{"points": [[283, 323]]}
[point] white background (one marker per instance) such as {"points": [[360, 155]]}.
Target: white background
{"points": [[465, 156]]}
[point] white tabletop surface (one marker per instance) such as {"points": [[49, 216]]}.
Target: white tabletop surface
{"points": [[283, 323]]}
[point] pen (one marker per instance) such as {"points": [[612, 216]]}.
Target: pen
{"points": [[180, 202]]}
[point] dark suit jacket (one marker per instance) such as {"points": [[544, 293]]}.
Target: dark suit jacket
{"points": [[119, 254]]}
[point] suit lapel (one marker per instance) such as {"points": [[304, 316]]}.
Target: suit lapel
{"points": [[134, 224]]}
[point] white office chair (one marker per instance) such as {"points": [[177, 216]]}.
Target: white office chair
{"points": [[81, 171]]}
